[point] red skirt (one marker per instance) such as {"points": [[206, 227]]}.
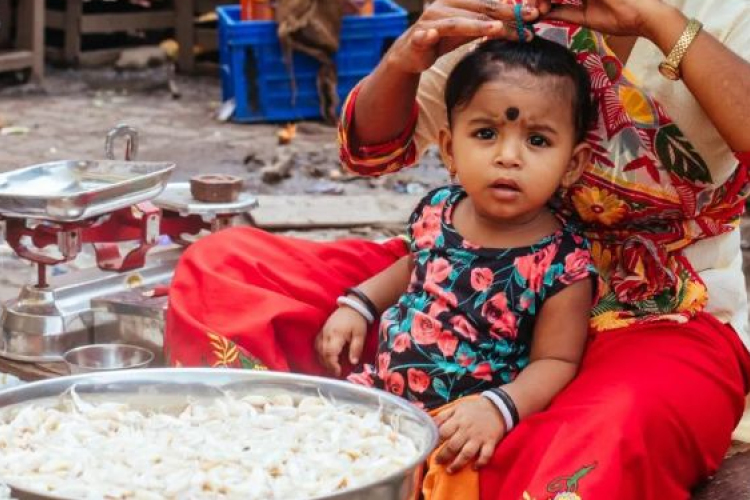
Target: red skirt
{"points": [[649, 415]]}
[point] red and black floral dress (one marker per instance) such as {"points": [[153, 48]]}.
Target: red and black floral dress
{"points": [[467, 320]]}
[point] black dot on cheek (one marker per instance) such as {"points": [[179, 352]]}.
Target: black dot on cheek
{"points": [[512, 113]]}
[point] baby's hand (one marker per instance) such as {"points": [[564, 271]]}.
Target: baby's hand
{"points": [[344, 326], [470, 429]]}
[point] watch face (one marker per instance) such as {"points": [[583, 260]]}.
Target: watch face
{"points": [[669, 71]]}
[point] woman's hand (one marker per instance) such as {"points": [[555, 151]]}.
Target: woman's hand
{"points": [[344, 326], [448, 24], [613, 17], [471, 429]]}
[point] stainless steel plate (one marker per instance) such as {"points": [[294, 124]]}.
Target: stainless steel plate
{"points": [[66, 191], [169, 390], [176, 197]]}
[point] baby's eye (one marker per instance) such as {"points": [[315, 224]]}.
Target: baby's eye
{"points": [[538, 140], [485, 134]]}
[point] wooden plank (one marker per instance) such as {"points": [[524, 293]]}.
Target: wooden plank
{"points": [[91, 58], [185, 33], [326, 211], [37, 42], [207, 39], [73, 14], [14, 60], [55, 19], [6, 14], [112, 23]]}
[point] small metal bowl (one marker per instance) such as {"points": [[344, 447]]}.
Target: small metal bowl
{"points": [[107, 357]]}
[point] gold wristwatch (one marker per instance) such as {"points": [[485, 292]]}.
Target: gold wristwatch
{"points": [[670, 67]]}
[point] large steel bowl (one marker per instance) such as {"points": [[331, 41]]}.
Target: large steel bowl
{"points": [[168, 390]]}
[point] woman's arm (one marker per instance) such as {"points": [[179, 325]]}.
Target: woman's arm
{"points": [[386, 97], [718, 78]]}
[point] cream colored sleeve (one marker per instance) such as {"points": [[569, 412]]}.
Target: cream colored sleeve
{"points": [[431, 101], [736, 32]]}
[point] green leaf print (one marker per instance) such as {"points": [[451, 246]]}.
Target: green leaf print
{"points": [[678, 155], [250, 363], [448, 368], [440, 196], [583, 41], [462, 256], [440, 388], [481, 299]]}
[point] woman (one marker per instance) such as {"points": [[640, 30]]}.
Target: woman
{"points": [[663, 381]]}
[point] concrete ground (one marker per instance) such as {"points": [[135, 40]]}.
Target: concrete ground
{"points": [[68, 117]]}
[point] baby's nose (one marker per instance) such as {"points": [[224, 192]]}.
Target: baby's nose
{"points": [[508, 155]]}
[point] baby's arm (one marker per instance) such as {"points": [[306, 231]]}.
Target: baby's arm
{"points": [[385, 288], [559, 340], [347, 326], [472, 428]]}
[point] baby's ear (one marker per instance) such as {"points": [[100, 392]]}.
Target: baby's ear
{"points": [[578, 162], [445, 141]]}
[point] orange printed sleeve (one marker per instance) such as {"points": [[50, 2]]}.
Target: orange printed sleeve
{"points": [[376, 159]]}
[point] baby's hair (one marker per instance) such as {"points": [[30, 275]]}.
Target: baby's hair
{"points": [[538, 57]]}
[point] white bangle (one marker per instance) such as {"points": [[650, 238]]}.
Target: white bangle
{"points": [[502, 408], [357, 306]]}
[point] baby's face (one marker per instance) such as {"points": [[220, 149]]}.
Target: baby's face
{"points": [[513, 145]]}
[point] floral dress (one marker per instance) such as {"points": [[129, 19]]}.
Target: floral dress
{"points": [[466, 322]]}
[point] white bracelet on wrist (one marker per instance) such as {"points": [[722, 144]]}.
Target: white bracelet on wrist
{"points": [[357, 306], [502, 408]]}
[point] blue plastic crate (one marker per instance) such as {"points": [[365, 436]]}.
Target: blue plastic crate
{"points": [[254, 74]]}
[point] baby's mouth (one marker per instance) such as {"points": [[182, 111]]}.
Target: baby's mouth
{"points": [[506, 185]]}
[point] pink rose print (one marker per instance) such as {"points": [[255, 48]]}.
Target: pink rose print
{"points": [[395, 383], [384, 361], [533, 267], [427, 227], [504, 326], [481, 278], [576, 266], [424, 329], [441, 294], [402, 342], [437, 307], [363, 378], [438, 270], [419, 381], [502, 321], [483, 371], [465, 359], [447, 343], [462, 326]]}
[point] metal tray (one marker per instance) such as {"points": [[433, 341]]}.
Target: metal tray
{"points": [[67, 191], [176, 197], [170, 389]]}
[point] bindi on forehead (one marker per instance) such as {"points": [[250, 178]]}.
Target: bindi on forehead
{"points": [[512, 113]]}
